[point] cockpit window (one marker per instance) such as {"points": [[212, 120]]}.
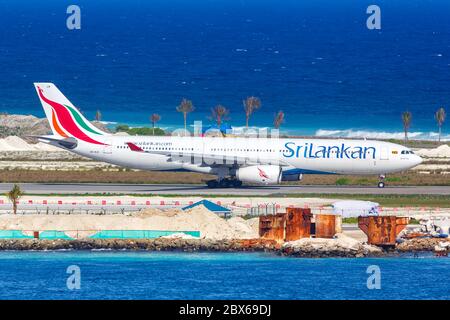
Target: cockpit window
{"points": [[407, 152]]}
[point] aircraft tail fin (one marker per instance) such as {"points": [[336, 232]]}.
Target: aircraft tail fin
{"points": [[64, 118]]}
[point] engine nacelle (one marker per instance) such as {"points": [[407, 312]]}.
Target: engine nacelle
{"points": [[292, 177], [264, 174]]}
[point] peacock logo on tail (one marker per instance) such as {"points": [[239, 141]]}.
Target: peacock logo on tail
{"points": [[67, 121]]}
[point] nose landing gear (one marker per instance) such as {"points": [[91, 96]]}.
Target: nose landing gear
{"points": [[381, 183]]}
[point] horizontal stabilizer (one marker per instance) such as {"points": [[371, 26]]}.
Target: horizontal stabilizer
{"points": [[68, 143]]}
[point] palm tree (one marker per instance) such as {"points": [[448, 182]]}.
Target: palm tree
{"points": [[154, 118], [185, 107], [406, 118], [440, 118], [14, 195], [98, 116], [219, 113], [250, 105], [279, 119]]}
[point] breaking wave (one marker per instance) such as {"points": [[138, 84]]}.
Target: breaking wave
{"points": [[350, 133]]}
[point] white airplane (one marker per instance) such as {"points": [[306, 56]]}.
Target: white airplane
{"points": [[233, 160]]}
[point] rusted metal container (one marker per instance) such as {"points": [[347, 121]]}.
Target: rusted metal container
{"points": [[382, 230], [325, 225], [298, 223], [272, 227], [400, 224]]}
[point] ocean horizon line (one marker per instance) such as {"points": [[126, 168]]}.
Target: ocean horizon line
{"points": [[349, 133], [292, 131]]}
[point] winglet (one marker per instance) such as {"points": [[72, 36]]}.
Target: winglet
{"points": [[134, 147]]}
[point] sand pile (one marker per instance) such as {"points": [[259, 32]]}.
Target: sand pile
{"points": [[200, 219], [155, 212], [14, 143], [442, 151]]}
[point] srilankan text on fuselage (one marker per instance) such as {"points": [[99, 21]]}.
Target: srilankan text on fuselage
{"points": [[340, 151]]}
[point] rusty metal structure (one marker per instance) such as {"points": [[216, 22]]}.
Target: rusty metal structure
{"points": [[292, 225], [272, 227], [298, 223], [325, 225], [382, 230]]}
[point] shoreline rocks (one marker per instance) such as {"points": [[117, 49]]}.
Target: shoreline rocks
{"points": [[183, 245], [419, 244], [160, 244], [342, 246], [303, 248]]}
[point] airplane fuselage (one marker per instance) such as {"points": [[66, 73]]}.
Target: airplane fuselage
{"points": [[300, 155]]}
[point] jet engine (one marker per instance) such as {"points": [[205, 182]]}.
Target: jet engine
{"points": [[264, 174]]}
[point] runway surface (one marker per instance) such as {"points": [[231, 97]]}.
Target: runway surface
{"points": [[188, 189]]}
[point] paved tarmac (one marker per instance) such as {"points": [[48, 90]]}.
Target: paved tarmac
{"points": [[192, 189]]}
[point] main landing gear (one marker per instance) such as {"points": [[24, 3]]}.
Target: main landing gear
{"points": [[224, 183], [381, 183]]}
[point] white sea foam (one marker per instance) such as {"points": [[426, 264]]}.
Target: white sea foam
{"points": [[108, 122], [350, 133]]}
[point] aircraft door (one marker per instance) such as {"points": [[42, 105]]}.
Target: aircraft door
{"points": [[384, 153]]}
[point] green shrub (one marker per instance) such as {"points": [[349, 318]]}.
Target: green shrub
{"points": [[393, 179], [122, 128], [141, 131], [364, 181], [350, 220], [342, 181]]}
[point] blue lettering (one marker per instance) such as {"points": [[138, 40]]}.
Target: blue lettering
{"points": [[330, 149], [291, 151], [367, 149], [344, 151], [306, 151], [310, 155], [357, 153], [322, 150], [339, 152], [298, 151]]}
